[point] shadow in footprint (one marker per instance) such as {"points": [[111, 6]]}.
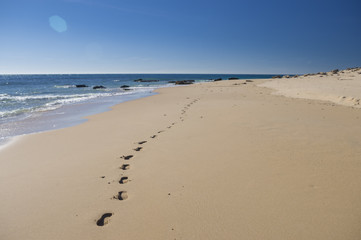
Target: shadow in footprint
{"points": [[153, 136], [121, 195], [142, 142], [137, 149], [104, 219], [127, 157], [123, 180], [125, 167]]}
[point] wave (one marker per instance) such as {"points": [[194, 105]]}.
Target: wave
{"points": [[65, 86], [6, 97], [3, 95], [16, 112], [48, 102]]}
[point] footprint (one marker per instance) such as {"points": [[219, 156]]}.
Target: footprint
{"points": [[104, 219], [153, 136], [127, 157], [137, 149], [161, 131], [123, 180], [142, 142], [125, 167], [121, 195]]}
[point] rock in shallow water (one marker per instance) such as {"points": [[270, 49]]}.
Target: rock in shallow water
{"points": [[184, 82], [99, 87], [81, 85]]}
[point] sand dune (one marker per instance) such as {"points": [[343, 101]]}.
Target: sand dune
{"points": [[340, 87]]}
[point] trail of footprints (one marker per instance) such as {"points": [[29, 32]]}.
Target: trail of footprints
{"points": [[123, 195]]}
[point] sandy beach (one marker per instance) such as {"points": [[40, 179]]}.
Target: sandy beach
{"points": [[261, 159]]}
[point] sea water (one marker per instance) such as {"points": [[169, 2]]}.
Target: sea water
{"points": [[35, 103]]}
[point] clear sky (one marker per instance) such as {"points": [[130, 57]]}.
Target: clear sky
{"points": [[179, 36]]}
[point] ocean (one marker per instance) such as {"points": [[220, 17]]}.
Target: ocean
{"points": [[36, 103]]}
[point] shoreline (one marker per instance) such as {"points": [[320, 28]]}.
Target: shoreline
{"points": [[65, 116], [223, 160], [64, 100]]}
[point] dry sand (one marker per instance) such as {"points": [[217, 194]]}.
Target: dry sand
{"points": [[340, 87], [228, 161]]}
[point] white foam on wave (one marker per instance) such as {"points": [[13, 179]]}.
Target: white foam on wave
{"points": [[49, 114], [10, 113], [65, 86], [55, 101]]}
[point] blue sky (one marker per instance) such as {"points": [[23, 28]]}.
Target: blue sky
{"points": [[178, 36]]}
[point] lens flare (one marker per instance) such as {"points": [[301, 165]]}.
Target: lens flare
{"points": [[58, 24]]}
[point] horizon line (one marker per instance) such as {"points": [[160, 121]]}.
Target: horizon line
{"points": [[147, 73]]}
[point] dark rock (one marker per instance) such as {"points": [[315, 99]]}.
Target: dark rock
{"points": [[184, 82], [172, 81], [335, 71], [124, 86], [141, 80], [278, 76], [127, 89], [99, 87], [218, 79], [233, 78], [81, 85]]}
